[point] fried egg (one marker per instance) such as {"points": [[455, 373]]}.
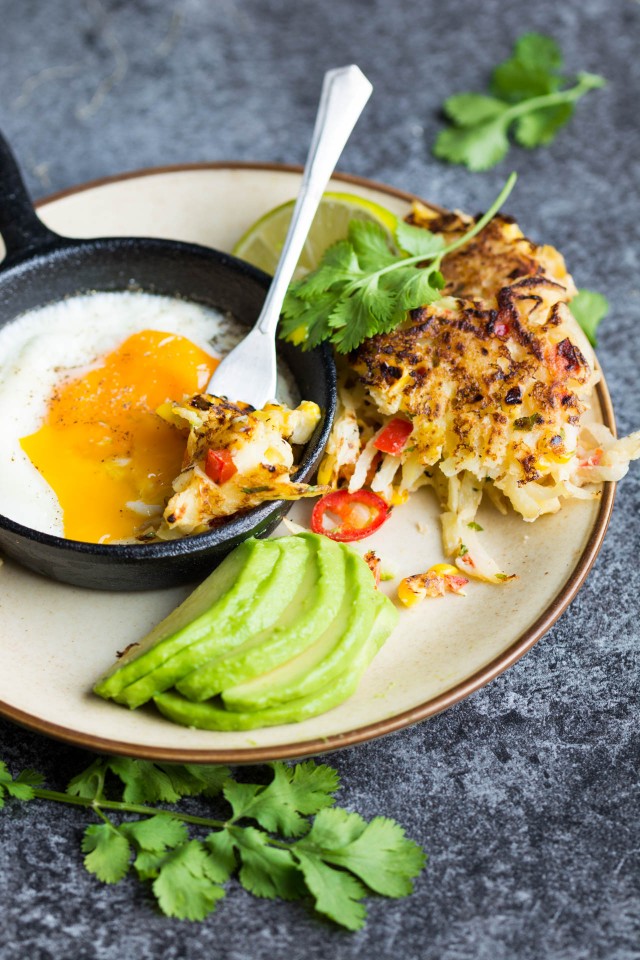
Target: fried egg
{"points": [[83, 453]]}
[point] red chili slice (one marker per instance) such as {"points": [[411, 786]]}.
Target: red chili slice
{"points": [[360, 514], [393, 438], [219, 466]]}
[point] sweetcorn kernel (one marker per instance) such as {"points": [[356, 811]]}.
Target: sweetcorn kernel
{"points": [[444, 570], [406, 594], [326, 470]]}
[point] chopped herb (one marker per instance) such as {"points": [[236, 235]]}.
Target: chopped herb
{"points": [[475, 526], [527, 423], [362, 287], [589, 308], [255, 489], [527, 95], [464, 550]]}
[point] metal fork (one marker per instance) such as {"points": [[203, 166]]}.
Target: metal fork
{"points": [[249, 371]]}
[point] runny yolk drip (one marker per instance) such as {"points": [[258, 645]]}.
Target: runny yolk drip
{"points": [[102, 447]]}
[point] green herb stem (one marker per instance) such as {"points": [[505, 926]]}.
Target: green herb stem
{"points": [[585, 83], [437, 258], [485, 219], [123, 807]]}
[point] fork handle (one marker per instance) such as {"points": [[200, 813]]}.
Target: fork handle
{"points": [[345, 92]]}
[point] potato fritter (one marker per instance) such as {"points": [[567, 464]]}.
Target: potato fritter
{"points": [[494, 378]]}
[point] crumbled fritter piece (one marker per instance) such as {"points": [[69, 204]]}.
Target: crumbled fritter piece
{"points": [[259, 443]]}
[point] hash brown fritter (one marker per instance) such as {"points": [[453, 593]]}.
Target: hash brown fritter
{"points": [[494, 376]]}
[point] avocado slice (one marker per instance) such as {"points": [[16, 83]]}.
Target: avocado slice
{"points": [[212, 716], [322, 662], [230, 626], [227, 591], [315, 604]]}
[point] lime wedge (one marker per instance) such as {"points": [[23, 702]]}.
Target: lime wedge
{"points": [[262, 243]]}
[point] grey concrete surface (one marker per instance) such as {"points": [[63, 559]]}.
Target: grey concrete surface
{"points": [[525, 795]]}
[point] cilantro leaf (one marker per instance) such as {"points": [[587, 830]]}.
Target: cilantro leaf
{"points": [[419, 289], [528, 94], [267, 871], [33, 777], [378, 853], [589, 308], [194, 780], [353, 318], [306, 321], [537, 51], [148, 862], [186, 886], [108, 852], [539, 128], [20, 787], [149, 782], [18, 790], [304, 789], [337, 894], [155, 833], [144, 781], [222, 848], [339, 265], [478, 147], [89, 783], [370, 245], [467, 109], [530, 72], [417, 240], [515, 83]]}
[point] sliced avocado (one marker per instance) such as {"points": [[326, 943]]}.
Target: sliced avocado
{"points": [[228, 590], [211, 715], [315, 605], [327, 658], [268, 596], [386, 621]]}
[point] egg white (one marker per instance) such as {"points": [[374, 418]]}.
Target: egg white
{"points": [[65, 339]]}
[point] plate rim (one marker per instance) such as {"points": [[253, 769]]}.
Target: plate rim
{"points": [[314, 747]]}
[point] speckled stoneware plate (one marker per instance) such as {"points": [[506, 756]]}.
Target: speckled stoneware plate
{"points": [[55, 639]]}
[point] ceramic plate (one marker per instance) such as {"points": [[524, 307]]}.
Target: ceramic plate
{"points": [[55, 639]]}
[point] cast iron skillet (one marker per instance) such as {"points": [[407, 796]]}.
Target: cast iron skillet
{"points": [[42, 267]]}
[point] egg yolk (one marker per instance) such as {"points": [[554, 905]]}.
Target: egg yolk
{"points": [[109, 458]]}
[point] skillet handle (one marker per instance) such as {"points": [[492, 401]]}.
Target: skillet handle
{"points": [[21, 228]]}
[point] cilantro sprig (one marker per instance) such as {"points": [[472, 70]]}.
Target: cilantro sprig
{"points": [[266, 836], [362, 287], [528, 97]]}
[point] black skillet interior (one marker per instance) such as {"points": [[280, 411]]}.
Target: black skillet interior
{"points": [[41, 268]]}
